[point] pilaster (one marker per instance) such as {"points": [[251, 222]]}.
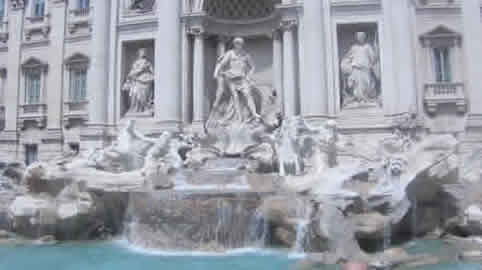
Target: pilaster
{"points": [[99, 68], [54, 98], [199, 109], [399, 92], [290, 95], [314, 94], [16, 15], [472, 46], [278, 63], [168, 87]]}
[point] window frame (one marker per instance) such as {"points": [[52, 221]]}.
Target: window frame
{"points": [[3, 9], [442, 64], [39, 3], [75, 63], [78, 83]]}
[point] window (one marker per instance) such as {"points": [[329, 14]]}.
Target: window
{"points": [[31, 154], [2, 8], [32, 87], [78, 83], [83, 4], [442, 64], [38, 8]]}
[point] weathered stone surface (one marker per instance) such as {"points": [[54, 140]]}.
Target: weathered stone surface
{"points": [[75, 214], [370, 225]]}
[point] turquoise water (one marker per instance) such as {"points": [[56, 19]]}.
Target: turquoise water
{"points": [[112, 256], [117, 256]]}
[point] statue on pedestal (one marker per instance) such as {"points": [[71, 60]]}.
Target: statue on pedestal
{"points": [[139, 84], [361, 73]]}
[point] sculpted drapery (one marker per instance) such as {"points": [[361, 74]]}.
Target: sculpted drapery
{"points": [[235, 101], [360, 71], [139, 84]]}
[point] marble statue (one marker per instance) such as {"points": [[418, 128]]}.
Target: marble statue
{"points": [[360, 73], [242, 109], [139, 84], [235, 67]]}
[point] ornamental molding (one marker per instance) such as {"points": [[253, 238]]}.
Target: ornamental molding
{"points": [[441, 36], [33, 63]]}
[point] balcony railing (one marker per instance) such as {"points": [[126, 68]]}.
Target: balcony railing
{"points": [[36, 113], [80, 12], [444, 93], [37, 25], [75, 112], [79, 18], [3, 30]]}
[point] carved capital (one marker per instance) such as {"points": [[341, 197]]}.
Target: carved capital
{"points": [[196, 31], [288, 25], [17, 4], [276, 34]]}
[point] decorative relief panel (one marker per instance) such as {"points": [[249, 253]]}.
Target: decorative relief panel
{"points": [[241, 9]]}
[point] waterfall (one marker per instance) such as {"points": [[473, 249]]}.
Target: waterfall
{"points": [[387, 235], [195, 221], [302, 229], [302, 242], [258, 230], [413, 218]]}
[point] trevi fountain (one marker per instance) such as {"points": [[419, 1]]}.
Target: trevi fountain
{"points": [[258, 183]]}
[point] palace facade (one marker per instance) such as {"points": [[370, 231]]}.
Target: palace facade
{"points": [[68, 68]]}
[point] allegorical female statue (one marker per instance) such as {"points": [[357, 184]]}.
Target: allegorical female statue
{"points": [[235, 100], [361, 73], [139, 84]]}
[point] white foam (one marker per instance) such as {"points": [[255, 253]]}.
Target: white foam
{"points": [[176, 253]]}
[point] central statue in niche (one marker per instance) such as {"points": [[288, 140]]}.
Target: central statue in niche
{"points": [[241, 107], [139, 84], [234, 70], [361, 74]]}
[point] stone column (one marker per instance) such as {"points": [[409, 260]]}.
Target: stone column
{"points": [[15, 16], [99, 64], [473, 55], [314, 95], [168, 91], [278, 64], [186, 76], [55, 91], [289, 69], [199, 110], [113, 94]]}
